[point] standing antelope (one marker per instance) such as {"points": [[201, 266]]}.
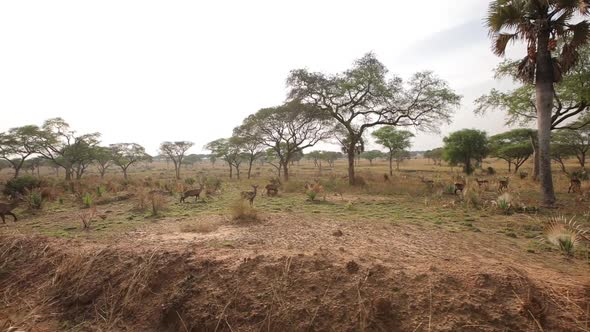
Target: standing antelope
{"points": [[189, 193], [482, 182], [502, 184], [575, 185], [250, 195], [6, 209]]}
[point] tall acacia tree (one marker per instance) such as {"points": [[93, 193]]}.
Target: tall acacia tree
{"points": [[363, 97], [127, 154], [63, 147], [541, 24], [18, 144], [176, 151], [287, 129], [396, 141]]}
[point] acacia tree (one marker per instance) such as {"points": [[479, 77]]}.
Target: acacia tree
{"points": [[396, 141], [435, 155], [512, 146], [541, 24], [465, 145], [287, 129], [252, 149], [127, 154], [60, 144], [18, 144], [576, 142], [103, 157], [362, 97], [229, 150], [175, 151], [372, 155]]}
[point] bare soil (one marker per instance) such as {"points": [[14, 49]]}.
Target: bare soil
{"points": [[289, 272]]}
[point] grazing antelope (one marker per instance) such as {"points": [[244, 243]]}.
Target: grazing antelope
{"points": [[250, 195], [272, 189], [189, 193], [6, 208], [482, 182], [575, 185], [502, 184]]}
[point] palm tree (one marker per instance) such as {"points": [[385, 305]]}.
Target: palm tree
{"points": [[541, 24]]}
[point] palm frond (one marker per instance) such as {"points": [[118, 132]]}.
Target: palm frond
{"points": [[501, 41], [580, 33], [504, 14]]}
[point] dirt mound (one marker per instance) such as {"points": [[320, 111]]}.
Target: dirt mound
{"points": [[50, 285]]}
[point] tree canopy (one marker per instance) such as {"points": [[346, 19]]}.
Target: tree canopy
{"points": [[463, 146]]}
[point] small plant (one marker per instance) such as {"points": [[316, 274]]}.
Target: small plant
{"points": [[564, 234], [349, 206], [504, 202], [100, 190], [190, 181], [88, 200], [87, 217], [449, 189], [311, 195]]}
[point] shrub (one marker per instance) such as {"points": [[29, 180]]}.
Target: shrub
{"points": [[190, 181], [88, 200], [158, 203], [21, 185], [523, 175], [580, 174], [243, 212], [311, 195], [359, 181], [34, 199], [504, 202]]}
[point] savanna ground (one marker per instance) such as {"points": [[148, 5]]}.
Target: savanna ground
{"points": [[386, 256]]}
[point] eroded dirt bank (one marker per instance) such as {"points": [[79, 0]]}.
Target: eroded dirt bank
{"points": [[147, 285]]}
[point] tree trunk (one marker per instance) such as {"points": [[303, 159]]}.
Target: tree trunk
{"points": [[125, 173], [535, 158], [391, 165], [397, 162], [509, 167], [68, 173], [544, 102], [102, 171], [250, 168], [286, 170], [231, 171], [351, 159]]}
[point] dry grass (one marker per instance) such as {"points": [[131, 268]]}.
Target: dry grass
{"points": [[200, 226], [241, 211]]}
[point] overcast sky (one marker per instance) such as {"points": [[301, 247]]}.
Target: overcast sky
{"points": [[148, 71]]}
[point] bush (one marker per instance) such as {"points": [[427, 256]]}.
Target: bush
{"points": [[243, 212], [158, 203], [190, 181], [21, 185], [34, 199]]}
